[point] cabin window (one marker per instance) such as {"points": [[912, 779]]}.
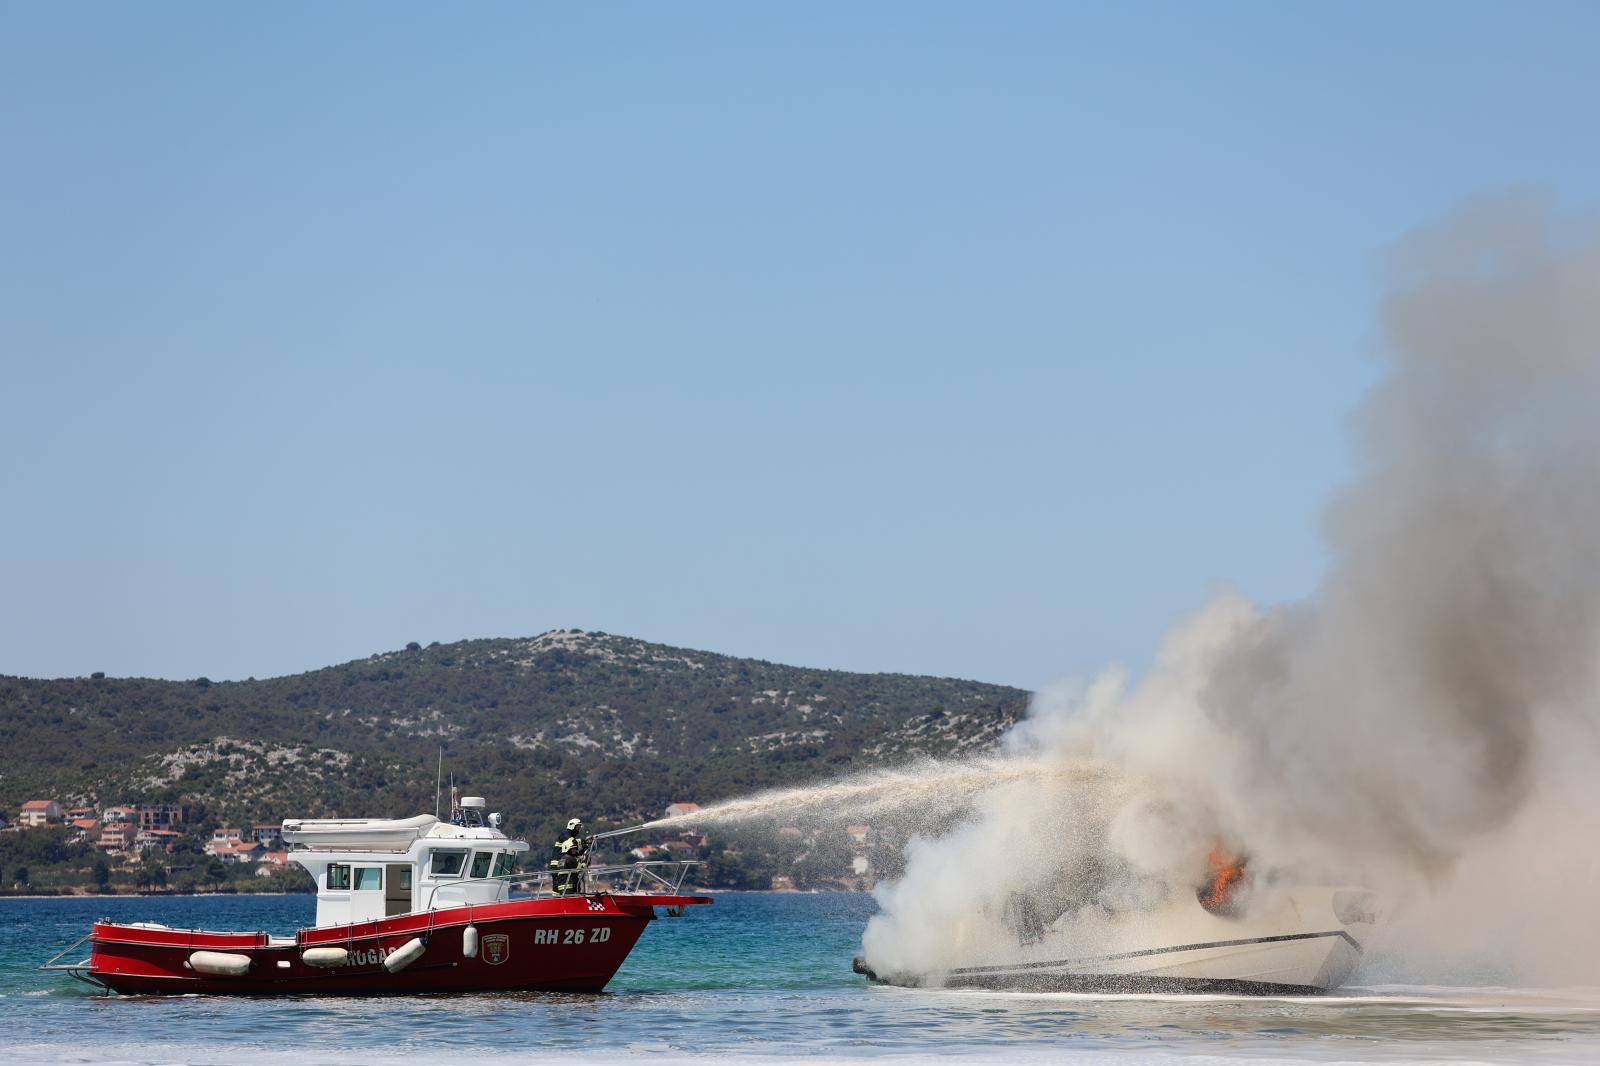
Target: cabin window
{"points": [[504, 863], [480, 863], [447, 863], [338, 875], [369, 878]]}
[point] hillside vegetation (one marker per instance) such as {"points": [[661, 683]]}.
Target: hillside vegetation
{"points": [[567, 722]]}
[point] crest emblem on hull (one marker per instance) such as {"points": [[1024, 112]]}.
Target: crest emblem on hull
{"points": [[496, 949]]}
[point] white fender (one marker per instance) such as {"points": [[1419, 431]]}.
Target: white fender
{"points": [[220, 963], [326, 958], [469, 942], [404, 955]]}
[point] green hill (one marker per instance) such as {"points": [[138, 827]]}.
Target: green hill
{"points": [[567, 722]]}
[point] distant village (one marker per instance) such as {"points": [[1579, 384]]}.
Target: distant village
{"points": [[136, 845], [130, 837]]}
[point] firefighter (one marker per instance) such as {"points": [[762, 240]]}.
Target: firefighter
{"points": [[571, 854]]}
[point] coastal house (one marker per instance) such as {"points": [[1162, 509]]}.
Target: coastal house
{"points": [[236, 850], [271, 862], [678, 810], [647, 853], [161, 815], [36, 813], [117, 836], [162, 839], [84, 829], [268, 836], [233, 845], [678, 849], [119, 814], [74, 813], [858, 833]]}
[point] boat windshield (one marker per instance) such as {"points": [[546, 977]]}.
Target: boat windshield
{"points": [[447, 862]]}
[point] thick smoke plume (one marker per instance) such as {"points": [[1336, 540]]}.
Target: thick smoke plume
{"points": [[1426, 723]]}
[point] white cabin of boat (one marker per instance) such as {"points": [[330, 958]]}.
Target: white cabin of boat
{"points": [[371, 868]]}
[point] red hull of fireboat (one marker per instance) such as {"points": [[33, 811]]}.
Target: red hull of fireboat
{"points": [[566, 943]]}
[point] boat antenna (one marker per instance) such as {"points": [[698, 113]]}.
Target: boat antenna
{"points": [[438, 782]]}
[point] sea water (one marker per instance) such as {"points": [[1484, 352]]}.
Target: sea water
{"points": [[754, 976]]}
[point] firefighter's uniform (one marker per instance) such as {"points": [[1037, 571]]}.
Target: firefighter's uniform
{"points": [[571, 854]]}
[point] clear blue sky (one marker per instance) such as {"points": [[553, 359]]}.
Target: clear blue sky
{"points": [[972, 339]]}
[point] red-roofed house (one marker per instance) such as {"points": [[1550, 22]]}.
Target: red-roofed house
{"points": [[271, 862], [678, 810], [156, 838], [85, 829], [858, 833], [232, 845], [118, 836], [236, 851], [36, 813]]}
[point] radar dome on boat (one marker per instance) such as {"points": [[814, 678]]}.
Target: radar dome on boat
{"points": [[474, 801]]}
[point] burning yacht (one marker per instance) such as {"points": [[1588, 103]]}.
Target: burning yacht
{"points": [[1228, 937], [405, 905]]}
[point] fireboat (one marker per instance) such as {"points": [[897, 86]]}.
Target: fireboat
{"points": [[405, 906]]}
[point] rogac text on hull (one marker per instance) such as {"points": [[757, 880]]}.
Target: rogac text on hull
{"points": [[408, 906]]}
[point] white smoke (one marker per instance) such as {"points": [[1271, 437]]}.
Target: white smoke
{"points": [[1427, 723]]}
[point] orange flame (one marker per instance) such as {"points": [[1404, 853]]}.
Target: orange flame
{"points": [[1227, 875]]}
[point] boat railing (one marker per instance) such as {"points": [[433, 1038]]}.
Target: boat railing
{"points": [[666, 876], [82, 970], [633, 879], [54, 962]]}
